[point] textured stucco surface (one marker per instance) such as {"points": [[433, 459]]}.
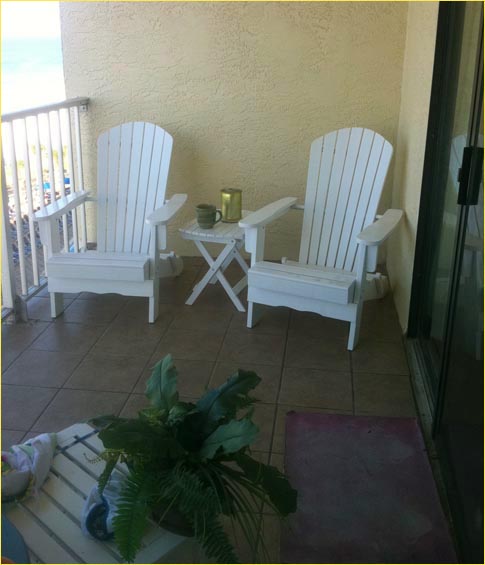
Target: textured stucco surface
{"points": [[243, 88], [410, 148]]}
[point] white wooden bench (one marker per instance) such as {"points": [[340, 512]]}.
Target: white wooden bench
{"points": [[50, 523]]}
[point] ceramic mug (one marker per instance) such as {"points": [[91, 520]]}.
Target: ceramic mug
{"points": [[206, 215]]}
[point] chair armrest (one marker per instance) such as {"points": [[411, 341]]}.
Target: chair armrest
{"points": [[268, 213], [61, 206], [379, 231], [166, 212]]}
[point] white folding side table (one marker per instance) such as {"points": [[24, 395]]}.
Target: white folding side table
{"points": [[232, 237]]}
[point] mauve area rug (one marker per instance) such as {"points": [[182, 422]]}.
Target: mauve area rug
{"points": [[366, 493]]}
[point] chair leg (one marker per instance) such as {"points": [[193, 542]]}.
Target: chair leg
{"points": [[57, 304], [154, 301], [255, 313], [355, 328]]}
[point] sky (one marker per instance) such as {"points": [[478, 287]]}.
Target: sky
{"points": [[30, 19], [32, 73]]}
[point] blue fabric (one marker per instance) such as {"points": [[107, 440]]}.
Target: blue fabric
{"points": [[13, 545]]}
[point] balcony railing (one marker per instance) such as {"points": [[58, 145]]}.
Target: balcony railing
{"points": [[41, 162]]}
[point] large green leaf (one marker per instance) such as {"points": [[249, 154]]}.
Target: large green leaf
{"points": [[224, 401], [179, 411], [161, 387], [277, 486], [229, 437], [140, 437]]}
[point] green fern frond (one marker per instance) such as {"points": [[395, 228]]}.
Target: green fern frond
{"points": [[190, 491], [200, 504], [215, 541], [131, 516], [106, 474]]}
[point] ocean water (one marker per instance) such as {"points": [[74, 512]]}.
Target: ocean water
{"points": [[32, 72]]}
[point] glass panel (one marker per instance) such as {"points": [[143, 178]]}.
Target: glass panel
{"points": [[445, 220], [460, 434]]}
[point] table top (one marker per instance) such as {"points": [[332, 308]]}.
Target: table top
{"points": [[221, 232]]}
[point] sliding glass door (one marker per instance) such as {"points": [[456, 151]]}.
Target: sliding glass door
{"points": [[446, 316]]}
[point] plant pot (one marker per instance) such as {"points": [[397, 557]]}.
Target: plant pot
{"points": [[172, 521]]}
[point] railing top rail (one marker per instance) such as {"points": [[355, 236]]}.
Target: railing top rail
{"points": [[80, 101]]}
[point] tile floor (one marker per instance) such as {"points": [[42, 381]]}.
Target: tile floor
{"points": [[96, 358]]}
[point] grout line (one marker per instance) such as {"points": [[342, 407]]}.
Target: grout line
{"points": [[76, 367], [352, 382], [277, 400], [145, 366], [217, 360]]}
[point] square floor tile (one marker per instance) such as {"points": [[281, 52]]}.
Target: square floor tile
{"points": [[101, 371], [9, 354], [174, 292], [135, 312], [20, 335], [22, 405], [44, 293], [214, 295], [245, 550], [379, 357], [11, 437], [70, 338], [316, 326], [309, 387], [133, 405], [96, 311], [264, 417], [265, 391], [273, 321], [42, 368], [278, 460], [39, 308], [132, 338], [106, 298], [383, 395], [240, 348], [380, 322], [76, 406], [203, 318], [192, 379], [190, 345], [317, 353], [271, 536], [278, 445]]}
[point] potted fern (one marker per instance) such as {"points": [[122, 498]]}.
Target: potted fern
{"points": [[189, 463]]}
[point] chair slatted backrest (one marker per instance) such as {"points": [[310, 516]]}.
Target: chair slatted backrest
{"points": [[346, 176], [133, 165]]}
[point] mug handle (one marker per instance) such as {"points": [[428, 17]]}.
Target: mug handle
{"points": [[220, 216]]}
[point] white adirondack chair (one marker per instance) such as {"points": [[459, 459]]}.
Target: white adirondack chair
{"points": [[340, 236], [132, 218]]}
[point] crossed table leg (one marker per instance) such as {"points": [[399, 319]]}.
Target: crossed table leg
{"points": [[216, 272]]}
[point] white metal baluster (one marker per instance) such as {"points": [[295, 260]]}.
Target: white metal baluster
{"points": [[65, 231], [30, 207], [18, 211], [75, 236], [50, 159], [40, 178], [79, 159], [8, 273]]}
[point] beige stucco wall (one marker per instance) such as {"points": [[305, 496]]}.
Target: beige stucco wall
{"points": [[243, 88], [410, 147]]}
